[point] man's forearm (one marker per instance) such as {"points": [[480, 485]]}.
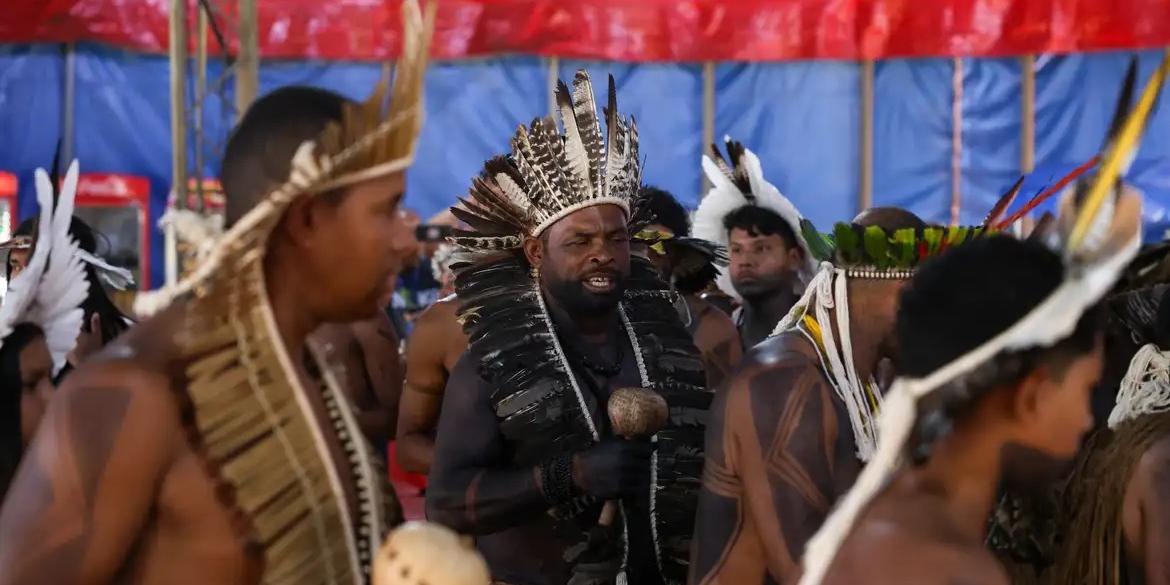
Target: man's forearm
{"points": [[416, 451], [483, 501]]}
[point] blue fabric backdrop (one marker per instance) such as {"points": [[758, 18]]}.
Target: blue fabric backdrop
{"points": [[802, 118]]}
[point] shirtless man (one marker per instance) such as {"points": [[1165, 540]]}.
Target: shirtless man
{"points": [[781, 447], [1015, 421], [431, 353], [689, 265], [159, 461]]}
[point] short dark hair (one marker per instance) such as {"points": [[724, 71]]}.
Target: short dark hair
{"points": [[259, 151], [667, 210], [760, 221], [962, 299]]}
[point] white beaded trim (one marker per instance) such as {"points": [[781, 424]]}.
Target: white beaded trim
{"points": [[643, 374], [872, 272]]}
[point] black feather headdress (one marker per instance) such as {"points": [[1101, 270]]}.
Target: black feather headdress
{"points": [[550, 174]]}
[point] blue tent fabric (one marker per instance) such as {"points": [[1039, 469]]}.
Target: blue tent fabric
{"points": [[990, 145], [802, 118], [912, 127], [472, 111], [31, 86]]}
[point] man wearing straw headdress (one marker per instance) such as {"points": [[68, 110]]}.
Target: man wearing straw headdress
{"points": [[1004, 397], [208, 445]]}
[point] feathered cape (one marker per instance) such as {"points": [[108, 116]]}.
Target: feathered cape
{"points": [[536, 406]]}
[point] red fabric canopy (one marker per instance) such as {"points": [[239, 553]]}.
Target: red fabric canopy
{"points": [[636, 30]]}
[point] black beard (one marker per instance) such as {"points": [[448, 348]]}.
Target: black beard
{"points": [[573, 297], [1027, 470], [761, 288]]}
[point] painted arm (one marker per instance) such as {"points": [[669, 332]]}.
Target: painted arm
{"points": [[472, 488], [87, 486], [785, 434], [718, 340]]}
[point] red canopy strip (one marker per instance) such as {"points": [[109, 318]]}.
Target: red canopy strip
{"points": [[636, 30], [1049, 192]]}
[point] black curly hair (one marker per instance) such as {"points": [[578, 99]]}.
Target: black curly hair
{"points": [[965, 297]]}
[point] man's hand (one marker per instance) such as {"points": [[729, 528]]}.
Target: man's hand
{"points": [[613, 468]]}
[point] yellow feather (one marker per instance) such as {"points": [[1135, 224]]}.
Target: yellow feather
{"points": [[1120, 151]]}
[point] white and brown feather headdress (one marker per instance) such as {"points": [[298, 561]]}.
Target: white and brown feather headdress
{"points": [[550, 175]]}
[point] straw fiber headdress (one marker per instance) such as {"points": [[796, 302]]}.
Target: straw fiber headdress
{"points": [[251, 418], [1097, 233]]}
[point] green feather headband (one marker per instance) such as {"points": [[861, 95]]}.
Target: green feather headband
{"points": [[872, 252]]}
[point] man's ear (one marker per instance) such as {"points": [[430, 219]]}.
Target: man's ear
{"points": [[300, 221], [534, 251], [795, 255], [1029, 394]]}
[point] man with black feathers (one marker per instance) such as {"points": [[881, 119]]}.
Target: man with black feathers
{"points": [[560, 316]]}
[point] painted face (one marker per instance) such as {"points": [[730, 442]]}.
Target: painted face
{"points": [[36, 370], [586, 258], [760, 265], [364, 241]]}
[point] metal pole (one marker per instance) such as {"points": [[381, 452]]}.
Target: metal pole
{"points": [[69, 100], [200, 99], [554, 65], [957, 141], [248, 59], [178, 55], [708, 117], [865, 156], [1027, 113]]}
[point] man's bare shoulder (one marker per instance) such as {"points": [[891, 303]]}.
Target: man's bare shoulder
{"points": [[141, 364], [776, 362], [443, 312], [876, 552]]}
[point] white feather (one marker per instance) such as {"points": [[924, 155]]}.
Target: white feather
{"points": [[64, 286], [22, 289]]}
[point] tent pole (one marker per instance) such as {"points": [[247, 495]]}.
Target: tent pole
{"points": [[708, 118], [200, 98], [865, 156], [69, 100], [248, 60], [178, 58], [1027, 125]]}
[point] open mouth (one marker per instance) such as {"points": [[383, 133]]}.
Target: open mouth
{"points": [[600, 283]]}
